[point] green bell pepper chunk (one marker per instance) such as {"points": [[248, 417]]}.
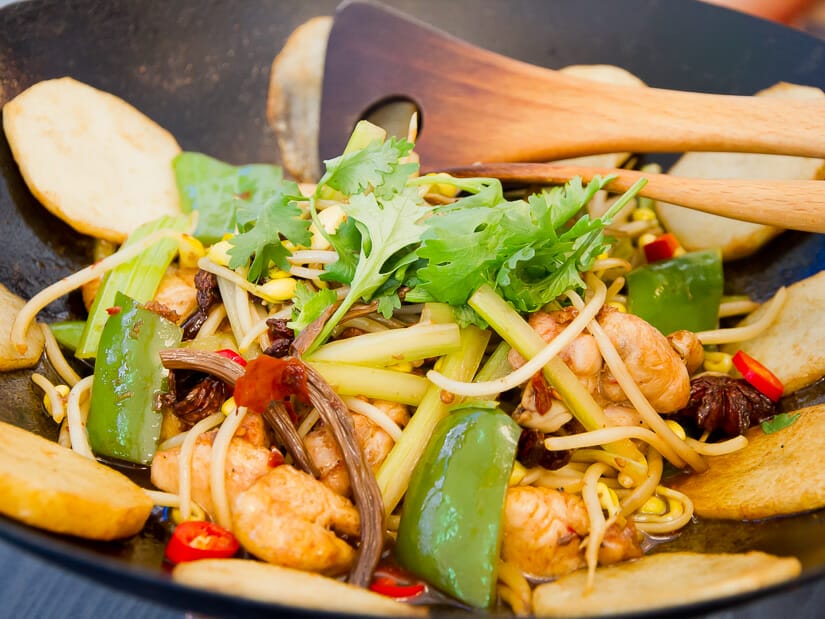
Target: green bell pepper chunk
{"points": [[68, 333], [679, 293], [122, 422], [451, 521]]}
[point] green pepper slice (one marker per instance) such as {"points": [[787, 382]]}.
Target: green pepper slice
{"points": [[451, 521], [122, 422], [679, 293]]}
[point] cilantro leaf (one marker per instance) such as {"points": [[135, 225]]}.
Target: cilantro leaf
{"points": [[347, 243], [779, 422], [226, 197], [387, 227], [309, 304], [524, 249], [262, 243], [352, 173], [388, 303]]}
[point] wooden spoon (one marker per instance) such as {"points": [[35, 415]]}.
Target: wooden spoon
{"points": [[799, 205], [480, 106]]}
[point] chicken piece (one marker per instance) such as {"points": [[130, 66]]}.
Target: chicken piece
{"points": [[652, 362], [287, 517], [373, 440], [177, 292], [581, 355], [247, 459], [544, 528], [689, 347]]}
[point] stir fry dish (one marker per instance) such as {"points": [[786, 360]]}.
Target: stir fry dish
{"points": [[386, 391]]}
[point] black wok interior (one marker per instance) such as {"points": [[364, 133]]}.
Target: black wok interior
{"points": [[201, 67]]}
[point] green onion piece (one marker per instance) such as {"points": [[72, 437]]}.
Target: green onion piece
{"points": [[139, 278], [376, 383], [393, 346]]}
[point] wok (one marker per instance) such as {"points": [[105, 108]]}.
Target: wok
{"points": [[201, 67]]}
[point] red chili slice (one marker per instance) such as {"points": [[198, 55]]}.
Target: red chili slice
{"points": [[196, 539], [758, 375], [394, 582], [232, 356], [267, 379], [662, 248]]}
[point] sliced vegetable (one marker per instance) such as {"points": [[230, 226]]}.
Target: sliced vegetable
{"points": [[779, 422], [68, 333], [461, 477], [139, 278], [232, 356], [396, 583], [122, 422], [196, 539], [758, 375], [679, 293], [662, 248]]}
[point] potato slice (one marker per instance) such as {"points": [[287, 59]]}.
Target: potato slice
{"points": [[777, 474], [737, 239], [293, 105], [607, 74], [661, 580], [53, 488], [10, 358], [793, 347], [265, 582], [92, 159]]}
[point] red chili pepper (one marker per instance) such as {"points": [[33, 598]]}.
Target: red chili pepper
{"points": [[115, 309], [394, 582], [195, 539], [758, 375], [662, 248], [232, 356]]}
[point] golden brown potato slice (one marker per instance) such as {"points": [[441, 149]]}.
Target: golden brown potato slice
{"points": [[92, 159], [293, 105], [265, 582], [793, 347], [10, 358], [607, 74], [53, 488], [737, 239], [661, 580], [775, 475]]}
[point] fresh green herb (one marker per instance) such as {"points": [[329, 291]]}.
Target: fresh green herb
{"points": [[779, 422], [388, 227], [377, 165], [280, 218], [309, 304], [227, 198], [526, 249]]}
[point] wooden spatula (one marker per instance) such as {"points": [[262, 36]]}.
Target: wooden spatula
{"points": [[798, 205], [480, 106]]}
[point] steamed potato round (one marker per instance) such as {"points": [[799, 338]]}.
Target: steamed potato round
{"points": [[777, 474], [265, 582], [53, 488], [92, 159], [10, 358], [661, 580]]}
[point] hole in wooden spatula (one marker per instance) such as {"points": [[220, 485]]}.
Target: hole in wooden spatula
{"points": [[393, 114]]}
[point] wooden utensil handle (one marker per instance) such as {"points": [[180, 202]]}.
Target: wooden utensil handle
{"points": [[798, 205]]}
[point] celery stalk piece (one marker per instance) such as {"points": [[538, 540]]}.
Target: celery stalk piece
{"points": [[68, 333], [385, 348], [377, 383], [394, 475], [497, 364], [139, 278], [507, 322]]}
